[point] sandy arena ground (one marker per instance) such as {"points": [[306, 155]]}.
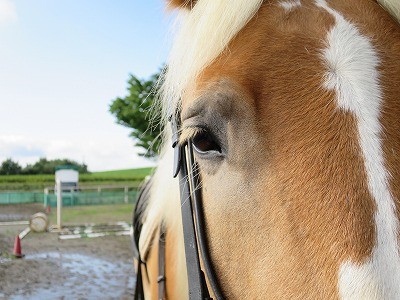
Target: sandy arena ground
{"points": [[87, 268]]}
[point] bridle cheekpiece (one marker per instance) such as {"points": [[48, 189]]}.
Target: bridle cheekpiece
{"points": [[194, 231]]}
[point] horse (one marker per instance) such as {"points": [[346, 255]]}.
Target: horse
{"points": [[292, 108]]}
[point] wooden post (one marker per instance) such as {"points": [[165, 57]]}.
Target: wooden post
{"points": [[59, 204], [99, 194], [126, 198], [46, 197], [71, 191]]}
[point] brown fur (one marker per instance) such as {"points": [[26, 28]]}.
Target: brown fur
{"points": [[150, 271], [388, 45], [290, 202], [313, 208]]}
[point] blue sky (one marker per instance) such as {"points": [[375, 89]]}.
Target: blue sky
{"points": [[61, 64]]}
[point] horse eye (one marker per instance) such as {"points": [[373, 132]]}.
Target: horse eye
{"points": [[204, 142]]}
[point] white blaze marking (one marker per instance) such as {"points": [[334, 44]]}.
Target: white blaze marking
{"points": [[290, 5], [352, 73]]}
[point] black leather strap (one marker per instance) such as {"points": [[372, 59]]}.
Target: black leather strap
{"points": [[161, 266], [194, 272], [139, 294], [192, 211], [200, 226]]}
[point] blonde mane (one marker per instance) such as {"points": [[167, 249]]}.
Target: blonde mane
{"points": [[203, 34]]}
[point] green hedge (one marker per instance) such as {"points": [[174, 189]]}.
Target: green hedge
{"points": [[39, 182]]}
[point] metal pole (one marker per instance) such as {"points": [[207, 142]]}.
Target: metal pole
{"points": [[59, 204]]}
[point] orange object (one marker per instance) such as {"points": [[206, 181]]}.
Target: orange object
{"points": [[17, 248], [48, 209]]}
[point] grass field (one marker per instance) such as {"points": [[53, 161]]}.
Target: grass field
{"points": [[39, 182], [70, 214], [129, 172], [94, 214]]}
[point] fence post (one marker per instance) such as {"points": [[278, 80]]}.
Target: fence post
{"points": [[126, 194], [72, 197], [46, 197], [59, 204], [99, 194]]}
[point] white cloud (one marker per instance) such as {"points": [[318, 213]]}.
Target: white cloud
{"points": [[98, 153], [8, 12], [18, 148]]}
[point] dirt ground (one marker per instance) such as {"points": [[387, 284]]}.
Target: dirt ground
{"points": [[86, 268], [17, 212]]}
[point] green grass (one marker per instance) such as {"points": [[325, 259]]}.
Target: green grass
{"points": [[142, 172], [93, 214], [39, 182]]}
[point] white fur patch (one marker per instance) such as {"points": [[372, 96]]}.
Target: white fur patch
{"points": [[204, 33], [290, 5], [352, 64]]}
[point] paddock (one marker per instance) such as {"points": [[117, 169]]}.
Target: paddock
{"points": [[89, 268]]}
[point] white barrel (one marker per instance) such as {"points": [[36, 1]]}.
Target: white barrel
{"points": [[38, 222]]}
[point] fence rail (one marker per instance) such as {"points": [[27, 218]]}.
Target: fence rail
{"points": [[20, 197], [83, 196]]}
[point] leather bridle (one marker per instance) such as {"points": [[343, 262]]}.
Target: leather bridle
{"points": [[194, 231]]}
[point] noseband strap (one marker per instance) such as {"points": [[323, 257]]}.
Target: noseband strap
{"points": [[192, 219]]}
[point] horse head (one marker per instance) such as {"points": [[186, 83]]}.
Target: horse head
{"points": [[292, 108]]}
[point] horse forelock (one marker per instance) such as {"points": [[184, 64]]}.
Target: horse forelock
{"points": [[202, 34]]}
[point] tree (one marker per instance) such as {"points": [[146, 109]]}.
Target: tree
{"points": [[44, 166], [134, 111], [10, 167]]}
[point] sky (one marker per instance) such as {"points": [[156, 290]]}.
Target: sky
{"points": [[61, 64]]}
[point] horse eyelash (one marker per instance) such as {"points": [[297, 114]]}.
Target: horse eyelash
{"points": [[188, 133]]}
